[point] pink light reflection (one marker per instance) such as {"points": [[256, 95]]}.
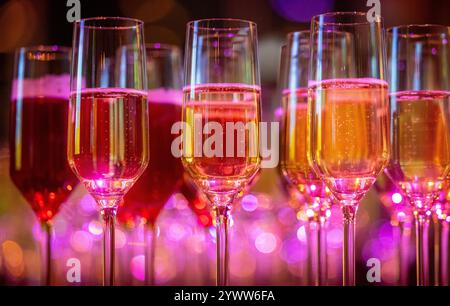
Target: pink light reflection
{"points": [[81, 241], [95, 228], [266, 243], [396, 198], [301, 233], [334, 238], [249, 203], [293, 251], [137, 267], [87, 204]]}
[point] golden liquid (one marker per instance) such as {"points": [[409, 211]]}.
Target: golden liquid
{"points": [[239, 159], [420, 148], [348, 141], [294, 160]]}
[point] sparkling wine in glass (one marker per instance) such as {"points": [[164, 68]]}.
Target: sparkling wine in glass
{"points": [[38, 135], [221, 111], [294, 161], [108, 115], [164, 174], [420, 99], [347, 114]]}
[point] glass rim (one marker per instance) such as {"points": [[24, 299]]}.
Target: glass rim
{"points": [[44, 53], [164, 47], [45, 48], [354, 14], [298, 33], [245, 24], [133, 23], [413, 30]]}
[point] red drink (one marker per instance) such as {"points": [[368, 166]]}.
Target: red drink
{"points": [[233, 161], [126, 215], [108, 148], [198, 204], [164, 174], [38, 146]]}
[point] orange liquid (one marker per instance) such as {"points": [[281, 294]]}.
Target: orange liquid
{"points": [[294, 160], [420, 148], [349, 134], [239, 160]]}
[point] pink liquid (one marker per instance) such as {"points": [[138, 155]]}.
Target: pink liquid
{"points": [[38, 142], [108, 140], [164, 174]]}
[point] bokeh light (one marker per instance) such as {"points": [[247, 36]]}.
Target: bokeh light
{"points": [[266, 243], [396, 198], [81, 241], [249, 202]]}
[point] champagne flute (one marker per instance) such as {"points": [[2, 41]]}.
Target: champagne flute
{"points": [[420, 91], [348, 114], [38, 135], [164, 174], [108, 116], [221, 98], [294, 162]]}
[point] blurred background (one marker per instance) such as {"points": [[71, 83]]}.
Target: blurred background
{"points": [[268, 238]]}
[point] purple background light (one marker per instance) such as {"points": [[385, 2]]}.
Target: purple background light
{"points": [[301, 10]]}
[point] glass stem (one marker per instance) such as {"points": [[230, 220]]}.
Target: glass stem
{"points": [[47, 254], [323, 262], [403, 252], [109, 217], [348, 249], [444, 253], [437, 226], [206, 280], [313, 252], [150, 248], [422, 224], [222, 222]]}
